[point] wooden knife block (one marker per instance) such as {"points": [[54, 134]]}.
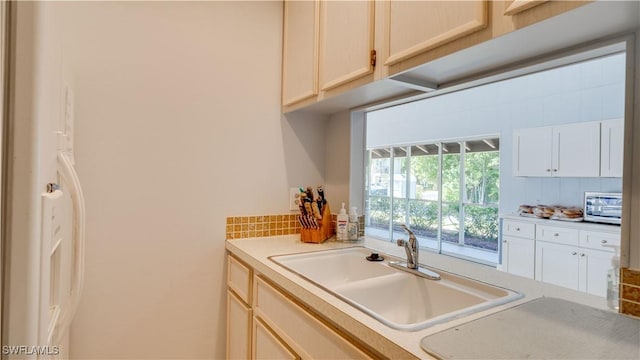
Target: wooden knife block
{"points": [[323, 233]]}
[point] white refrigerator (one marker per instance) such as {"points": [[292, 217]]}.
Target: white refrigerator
{"points": [[45, 246]]}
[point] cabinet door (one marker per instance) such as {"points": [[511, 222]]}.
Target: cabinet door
{"points": [[557, 264], [417, 26], [532, 152], [238, 328], [266, 345], [307, 335], [518, 256], [576, 150], [346, 41], [594, 265], [300, 51], [611, 148]]}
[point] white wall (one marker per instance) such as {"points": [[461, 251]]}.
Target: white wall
{"points": [[588, 91], [178, 126]]}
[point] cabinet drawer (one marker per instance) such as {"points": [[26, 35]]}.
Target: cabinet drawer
{"points": [[557, 235], [595, 240], [239, 278], [303, 332], [518, 228]]}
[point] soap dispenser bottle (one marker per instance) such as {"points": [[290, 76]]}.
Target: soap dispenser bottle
{"points": [[342, 223], [613, 281], [353, 227]]}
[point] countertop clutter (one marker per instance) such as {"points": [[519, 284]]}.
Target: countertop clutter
{"points": [[391, 343], [555, 212]]}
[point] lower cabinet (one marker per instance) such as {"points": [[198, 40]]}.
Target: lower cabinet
{"points": [[238, 327], [307, 336], [264, 322], [518, 256], [574, 256], [267, 345], [557, 264], [573, 267], [594, 266]]}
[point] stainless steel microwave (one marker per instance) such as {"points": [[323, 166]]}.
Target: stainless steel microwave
{"points": [[603, 207]]}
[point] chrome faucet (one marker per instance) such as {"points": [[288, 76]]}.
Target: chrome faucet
{"points": [[412, 247]]}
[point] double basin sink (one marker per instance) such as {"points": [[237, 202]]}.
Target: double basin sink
{"points": [[396, 298]]}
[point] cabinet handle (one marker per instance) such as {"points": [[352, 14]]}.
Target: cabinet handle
{"points": [[603, 241], [504, 241], [555, 170], [556, 234], [574, 253], [583, 254], [517, 229], [548, 170]]}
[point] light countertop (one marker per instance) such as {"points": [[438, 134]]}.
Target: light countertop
{"points": [[390, 342]]}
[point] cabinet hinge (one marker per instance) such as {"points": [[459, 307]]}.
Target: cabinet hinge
{"points": [[373, 58]]}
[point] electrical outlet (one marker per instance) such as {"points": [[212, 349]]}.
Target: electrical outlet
{"points": [[294, 194]]}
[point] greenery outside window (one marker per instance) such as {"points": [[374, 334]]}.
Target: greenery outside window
{"points": [[446, 192]]}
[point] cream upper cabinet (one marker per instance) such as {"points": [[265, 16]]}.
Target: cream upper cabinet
{"points": [[346, 41], [300, 51], [612, 148], [415, 27], [571, 150]]}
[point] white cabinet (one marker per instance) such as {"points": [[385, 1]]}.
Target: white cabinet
{"points": [[573, 267], [571, 150], [557, 264], [612, 148], [594, 265], [518, 248], [518, 256], [572, 255]]}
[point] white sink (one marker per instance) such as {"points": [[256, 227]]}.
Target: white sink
{"points": [[396, 298]]}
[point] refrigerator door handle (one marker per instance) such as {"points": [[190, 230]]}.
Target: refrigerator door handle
{"points": [[68, 173]]}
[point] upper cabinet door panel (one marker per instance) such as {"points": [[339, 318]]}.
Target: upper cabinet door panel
{"points": [[576, 150], [346, 41], [532, 152], [300, 51], [417, 26], [612, 148]]}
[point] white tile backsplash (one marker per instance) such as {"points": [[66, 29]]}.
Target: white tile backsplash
{"points": [[613, 101], [591, 104]]}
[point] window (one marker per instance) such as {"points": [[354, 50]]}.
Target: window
{"points": [[446, 192]]}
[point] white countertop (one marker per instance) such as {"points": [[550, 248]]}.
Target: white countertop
{"points": [[390, 342]]}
